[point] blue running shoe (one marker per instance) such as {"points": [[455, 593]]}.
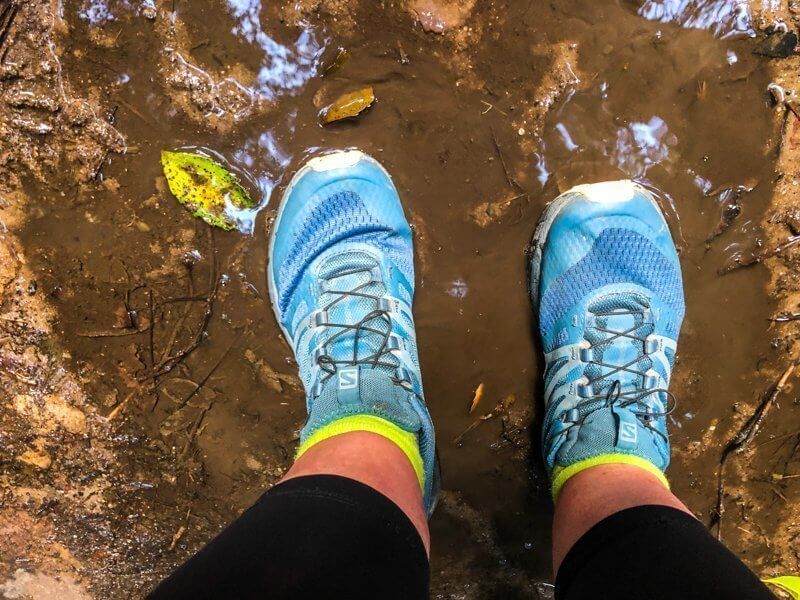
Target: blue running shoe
{"points": [[341, 281], [606, 283]]}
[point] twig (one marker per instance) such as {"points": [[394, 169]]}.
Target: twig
{"points": [[134, 110], [195, 427], [205, 379], [176, 538], [174, 335], [792, 108], [498, 410], [120, 406], [111, 334], [169, 363], [511, 181], [153, 348], [742, 439]]}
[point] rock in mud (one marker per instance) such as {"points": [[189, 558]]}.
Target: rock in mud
{"points": [[36, 459]]}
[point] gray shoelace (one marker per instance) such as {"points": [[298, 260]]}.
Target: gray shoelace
{"points": [[377, 358], [615, 396]]}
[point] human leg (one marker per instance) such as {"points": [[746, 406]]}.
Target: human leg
{"points": [[606, 284], [341, 281]]}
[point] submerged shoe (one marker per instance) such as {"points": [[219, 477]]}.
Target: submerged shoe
{"points": [[606, 283], [341, 281]]}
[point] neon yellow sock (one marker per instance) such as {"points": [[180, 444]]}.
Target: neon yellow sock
{"points": [[406, 441], [563, 474]]}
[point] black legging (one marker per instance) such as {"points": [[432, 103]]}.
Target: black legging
{"points": [[329, 537]]}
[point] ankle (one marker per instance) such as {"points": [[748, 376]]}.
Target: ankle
{"points": [[373, 460], [599, 492]]}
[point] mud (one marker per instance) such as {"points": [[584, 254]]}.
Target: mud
{"points": [[148, 397]]}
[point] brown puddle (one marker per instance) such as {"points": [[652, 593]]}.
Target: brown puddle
{"points": [[480, 127]]}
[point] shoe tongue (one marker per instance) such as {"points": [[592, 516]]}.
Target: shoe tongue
{"points": [[357, 273], [352, 385], [624, 312], [611, 427]]}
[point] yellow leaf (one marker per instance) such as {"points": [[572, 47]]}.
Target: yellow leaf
{"points": [[476, 399], [205, 187], [348, 106], [787, 583]]}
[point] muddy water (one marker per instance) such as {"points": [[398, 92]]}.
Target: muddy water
{"points": [[681, 109]]}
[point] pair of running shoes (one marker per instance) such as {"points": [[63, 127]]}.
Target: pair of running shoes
{"points": [[605, 286]]}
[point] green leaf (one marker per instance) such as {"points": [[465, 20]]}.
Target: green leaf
{"points": [[788, 584], [205, 187]]}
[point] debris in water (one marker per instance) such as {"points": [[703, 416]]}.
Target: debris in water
{"points": [[342, 56], [731, 202], [348, 106], [269, 376], [205, 187], [745, 435], [776, 93], [498, 410], [779, 44], [738, 261], [476, 399]]}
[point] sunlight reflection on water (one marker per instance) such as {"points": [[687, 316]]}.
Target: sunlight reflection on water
{"points": [[723, 18], [284, 68]]}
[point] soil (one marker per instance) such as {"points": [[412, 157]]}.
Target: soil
{"points": [[147, 395]]}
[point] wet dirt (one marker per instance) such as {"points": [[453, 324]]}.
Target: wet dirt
{"points": [[150, 397]]}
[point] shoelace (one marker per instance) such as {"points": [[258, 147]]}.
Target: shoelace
{"points": [[615, 396], [329, 364]]}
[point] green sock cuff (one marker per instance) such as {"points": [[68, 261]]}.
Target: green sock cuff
{"points": [[561, 475], [405, 440]]}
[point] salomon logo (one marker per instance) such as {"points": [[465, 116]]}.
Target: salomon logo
{"points": [[348, 379], [628, 433]]}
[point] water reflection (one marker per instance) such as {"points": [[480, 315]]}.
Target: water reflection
{"points": [[639, 146], [724, 18], [631, 149], [284, 68], [99, 12]]}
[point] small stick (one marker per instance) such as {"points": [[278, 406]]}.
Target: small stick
{"points": [[195, 427], [111, 334], [205, 379], [742, 439], [120, 406], [511, 181]]}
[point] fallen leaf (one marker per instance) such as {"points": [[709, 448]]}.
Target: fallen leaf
{"points": [[476, 399], [348, 106], [205, 187], [342, 57], [789, 584]]}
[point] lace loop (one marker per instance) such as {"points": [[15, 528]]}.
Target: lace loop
{"points": [[615, 395], [376, 322]]}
